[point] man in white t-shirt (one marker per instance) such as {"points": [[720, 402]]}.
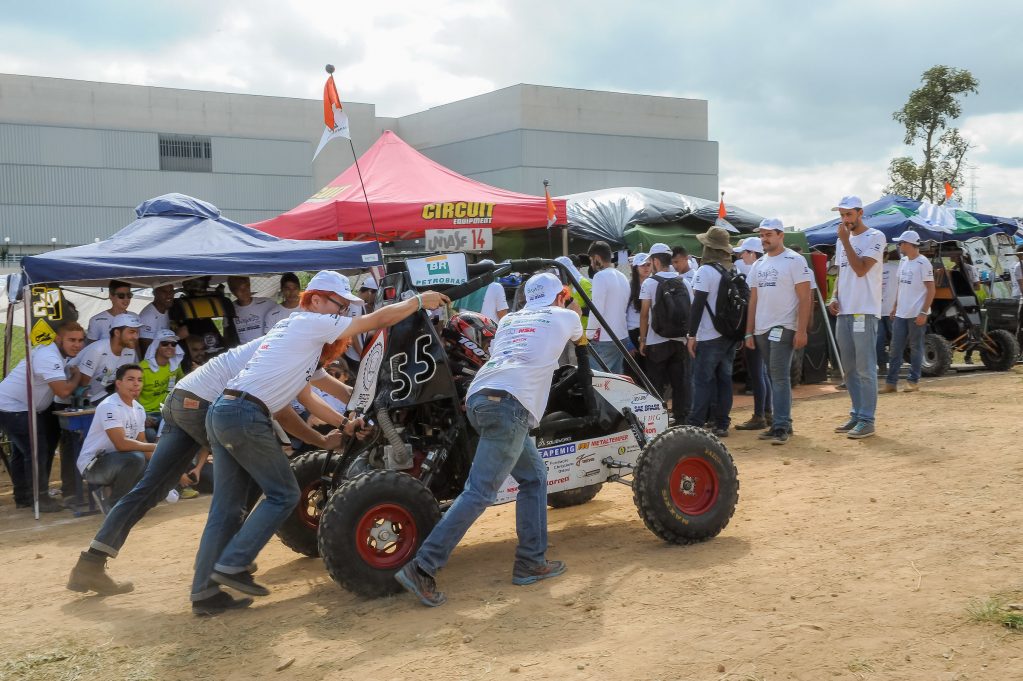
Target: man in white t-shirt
{"points": [[1017, 274], [777, 320], [889, 285], [115, 450], [610, 296], [495, 302], [241, 432], [684, 264], [507, 397], [857, 305], [666, 357], [48, 379], [368, 294], [909, 311], [713, 354], [100, 360], [291, 289], [249, 311], [749, 251], [154, 317], [120, 298]]}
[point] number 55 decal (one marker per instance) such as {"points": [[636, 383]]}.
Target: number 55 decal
{"points": [[424, 366]]}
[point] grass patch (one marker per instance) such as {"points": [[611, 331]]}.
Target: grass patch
{"points": [[17, 344], [996, 610]]}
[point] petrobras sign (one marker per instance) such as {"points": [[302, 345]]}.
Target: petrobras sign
{"points": [[464, 239], [436, 270]]}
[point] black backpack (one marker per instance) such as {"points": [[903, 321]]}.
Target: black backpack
{"points": [[729, 316], [670, 316]]}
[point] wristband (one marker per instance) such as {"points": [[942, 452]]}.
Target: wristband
{"points": [[419, 299], [749, 335]]}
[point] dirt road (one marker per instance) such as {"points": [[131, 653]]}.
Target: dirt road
{"points": [[855, 560]]}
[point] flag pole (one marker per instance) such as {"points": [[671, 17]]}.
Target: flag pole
{"points": [[550, 246]]}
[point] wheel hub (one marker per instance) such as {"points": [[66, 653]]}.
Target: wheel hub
{"points": [[693, 485], [383, 534], [687, 486], [386, 536]]}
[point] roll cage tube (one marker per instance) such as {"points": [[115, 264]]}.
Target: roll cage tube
{"points": [[490, 273]]}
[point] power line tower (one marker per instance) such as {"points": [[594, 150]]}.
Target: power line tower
{"points": [[972, 201]]}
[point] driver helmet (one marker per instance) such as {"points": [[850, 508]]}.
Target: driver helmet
{"points": [[467, 336]]}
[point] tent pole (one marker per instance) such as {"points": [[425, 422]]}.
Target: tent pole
{"points": [[8, 335], [33, 443], [831, 334], [564, 240]]}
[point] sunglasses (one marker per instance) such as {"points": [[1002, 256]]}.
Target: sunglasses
{"points": [[123, 296], [168, 344]]}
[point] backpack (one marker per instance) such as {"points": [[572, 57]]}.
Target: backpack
{"points": [[729, 315], [670, 316]]}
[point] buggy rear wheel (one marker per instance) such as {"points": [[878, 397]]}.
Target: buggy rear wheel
{"points": [[373, 525], [1005, 353], [685, 485], [573, 497], [937, 355], [298, 532]]}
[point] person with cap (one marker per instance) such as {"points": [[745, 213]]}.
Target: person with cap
{"points": [[610, 297], [48, 379], [161, 369], [856, 303], [154, 317], [777, 319], [99, 361], [889, 285], [640, 267], [115, 449], [290, 291], [368, 295], [667, 361], [240, 428], [749, 250], [120, 296], [909, 311], [712, 353], [507, 397], [249, 310]]}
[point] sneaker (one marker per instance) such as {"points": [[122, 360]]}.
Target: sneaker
{"points": [[188, 493], [240, 581], [720, 432], [766, 435], [862, 430], [847, 426], [912, 388], [755, 423], [523, 574], [779, 436], [420, 585], [887, 388], [841, 386], [218, 603]]}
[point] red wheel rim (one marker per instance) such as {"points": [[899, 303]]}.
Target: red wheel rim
{"points": [[309, 503], [386, 536], [693, 486]]}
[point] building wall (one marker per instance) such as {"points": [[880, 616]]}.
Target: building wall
{"points": [[76, 157]]}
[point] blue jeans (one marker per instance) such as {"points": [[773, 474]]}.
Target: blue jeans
{"points": [[184, 434], [906, 331], [15, 425], [884, 334], [608, 352], [778, 359], [245, 450], [759, 380], [712, 382], [858, 351], [120, 470], [504, 449]]}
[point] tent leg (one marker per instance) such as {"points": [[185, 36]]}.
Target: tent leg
{"points": [[831, 335]]}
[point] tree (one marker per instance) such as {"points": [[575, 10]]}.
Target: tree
{"points": [[926, 117]]}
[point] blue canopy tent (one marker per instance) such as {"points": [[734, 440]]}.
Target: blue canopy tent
{"points": [[177, 237], [893, 215]]}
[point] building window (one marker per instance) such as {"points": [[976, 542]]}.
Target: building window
{"points": [[191, 153]]}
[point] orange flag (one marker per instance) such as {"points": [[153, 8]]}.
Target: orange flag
{"points": [[948, 191], [722, 220], [722, 212], [552, 214], [335, 120]]}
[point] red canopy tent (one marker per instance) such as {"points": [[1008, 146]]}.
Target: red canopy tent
{"points": [[408, 193]]}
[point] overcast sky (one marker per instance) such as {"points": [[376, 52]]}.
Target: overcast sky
{"points": [[801, 94]]}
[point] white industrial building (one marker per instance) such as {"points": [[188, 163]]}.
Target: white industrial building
{"points": [[76, 157]]}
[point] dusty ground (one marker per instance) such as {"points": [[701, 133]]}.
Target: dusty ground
{"points": [[854, 560]]}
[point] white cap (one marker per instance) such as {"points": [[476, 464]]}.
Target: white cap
{"points": [[772, 223], [125, 319], [165, 335], [910, 237], [848, 202], [660, 248], [541, 290], [639, 259], [752, 243], [328, 280], [369, 283]]}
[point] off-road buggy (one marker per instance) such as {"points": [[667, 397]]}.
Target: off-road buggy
{"points": [[955, 322], [368, 508]]}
